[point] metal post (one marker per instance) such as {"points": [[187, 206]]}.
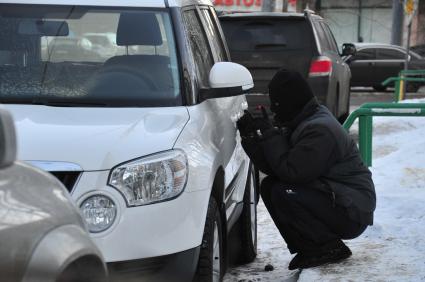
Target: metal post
{"points": [[359, 23], [406, 64], [397, 91], [397, 27], [365, 139]]}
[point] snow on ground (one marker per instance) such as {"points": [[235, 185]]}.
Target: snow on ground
{"points": [[393, 249]]}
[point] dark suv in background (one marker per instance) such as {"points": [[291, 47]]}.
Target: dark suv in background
{"points": [[266, 42]]}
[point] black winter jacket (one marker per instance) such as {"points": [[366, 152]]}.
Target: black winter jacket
{"points": [[317, 153]]}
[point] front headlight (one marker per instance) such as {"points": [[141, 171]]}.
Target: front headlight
{"points": [[99, 212], [151, 179]]}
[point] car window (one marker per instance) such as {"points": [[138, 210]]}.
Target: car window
{"points": [[322, 36], [199, 44], [266, 35], [365, 54], [214, 36], [330, 38], [390, 54]]}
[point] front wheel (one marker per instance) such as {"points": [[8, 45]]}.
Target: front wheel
{"points": [[412, 87], [210, 265], [379, 88]]}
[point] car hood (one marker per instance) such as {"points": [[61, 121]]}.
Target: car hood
{"points": [[95, 138]]}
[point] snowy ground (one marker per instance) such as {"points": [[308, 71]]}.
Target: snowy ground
{"points": [[393, 249]]}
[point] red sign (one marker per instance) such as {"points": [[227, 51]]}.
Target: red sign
{"points": [[238, 3]]}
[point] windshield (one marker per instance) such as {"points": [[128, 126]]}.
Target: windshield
{"points": [[98, 56]]}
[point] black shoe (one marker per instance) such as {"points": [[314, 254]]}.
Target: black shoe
{"points": [[304, 260]]}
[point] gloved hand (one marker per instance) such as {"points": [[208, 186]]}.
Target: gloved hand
{"points": [[263, 124], [248, 125], [245, 125]]}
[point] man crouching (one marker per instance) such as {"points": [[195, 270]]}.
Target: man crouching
{"points": [[317, 189]]}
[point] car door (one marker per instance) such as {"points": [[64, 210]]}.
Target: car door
{"points": [[209, 48], [389, 62], [361, 65], [236, 168]]}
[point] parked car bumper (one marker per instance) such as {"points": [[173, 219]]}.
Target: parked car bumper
{"points": [[175, 267]]}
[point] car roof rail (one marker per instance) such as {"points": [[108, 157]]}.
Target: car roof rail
{"points": [[308, 12]]}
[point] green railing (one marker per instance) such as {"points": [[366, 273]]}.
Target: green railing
{"points": [[405, 75], [365, 115]]}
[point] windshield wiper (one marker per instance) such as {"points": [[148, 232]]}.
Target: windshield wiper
{"points": [[53, 103], [73, 104]]}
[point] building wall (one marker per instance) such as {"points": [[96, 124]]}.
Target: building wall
{"points": [[418, 34], [375, 17], [344, 16]]}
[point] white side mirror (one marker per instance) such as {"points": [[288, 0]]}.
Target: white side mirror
{"points": [[230, 75]]}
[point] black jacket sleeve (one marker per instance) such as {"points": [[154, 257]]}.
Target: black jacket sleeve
{"points": [[312, 155], [254, 151]]}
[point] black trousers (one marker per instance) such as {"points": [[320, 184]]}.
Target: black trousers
{"points": [[306, 218]]}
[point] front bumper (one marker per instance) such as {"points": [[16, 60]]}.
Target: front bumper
{"points": [[175, 267], [147, 231]]}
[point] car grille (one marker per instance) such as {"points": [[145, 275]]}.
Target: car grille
{"points": [[68, 178]]}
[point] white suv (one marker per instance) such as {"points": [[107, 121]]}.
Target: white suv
{"points": [[145, 142]]}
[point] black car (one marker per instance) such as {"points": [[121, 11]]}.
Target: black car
{"points": [[266, 42], [419, 49], [373, 63]]}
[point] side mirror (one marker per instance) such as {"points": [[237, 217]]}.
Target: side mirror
{"points": [[348, 49], [228, 79], [7, 139]]}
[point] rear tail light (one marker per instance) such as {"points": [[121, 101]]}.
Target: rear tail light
{"points": [[320, 66]]}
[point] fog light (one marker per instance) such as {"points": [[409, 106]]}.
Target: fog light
{"points": [[99, 212]]}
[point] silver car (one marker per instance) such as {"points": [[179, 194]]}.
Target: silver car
{"points": [[42, 235]]}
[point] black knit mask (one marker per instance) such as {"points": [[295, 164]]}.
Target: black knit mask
{"points": [[289, 92]]}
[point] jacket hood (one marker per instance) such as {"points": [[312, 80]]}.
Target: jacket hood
{"points": [[95, 138], [289, 92]]}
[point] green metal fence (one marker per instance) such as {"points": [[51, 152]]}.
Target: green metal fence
{"points": [[404, 76], [365, 115]]}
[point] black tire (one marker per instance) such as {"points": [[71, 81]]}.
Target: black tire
{"points": [[257, 182], [412, 87], [249, 221], [345, 115], [380, 88], [205, 268]]}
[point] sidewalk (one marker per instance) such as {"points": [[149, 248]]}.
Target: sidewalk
{"points": [[393, 249]]}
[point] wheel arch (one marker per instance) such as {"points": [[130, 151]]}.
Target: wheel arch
{"points": [[46, 263]]}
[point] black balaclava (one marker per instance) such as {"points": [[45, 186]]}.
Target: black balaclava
{"points": [[289, 92]]}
